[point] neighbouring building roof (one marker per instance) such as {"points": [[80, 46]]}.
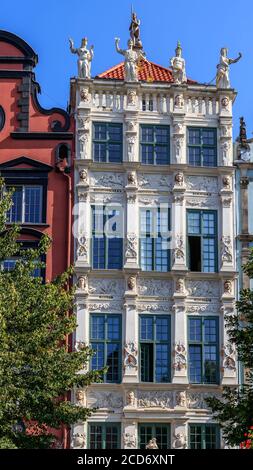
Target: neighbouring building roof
{"points": [[148, 72]]}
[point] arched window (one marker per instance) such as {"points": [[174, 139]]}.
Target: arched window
{"points": [[2, 118]]}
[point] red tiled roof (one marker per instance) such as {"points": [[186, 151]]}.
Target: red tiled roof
{"points": [[148, 72]]}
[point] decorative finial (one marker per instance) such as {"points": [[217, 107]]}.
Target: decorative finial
{"points": [[134, 29], [178, 66]]}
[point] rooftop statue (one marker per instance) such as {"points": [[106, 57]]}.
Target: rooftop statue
{"points": [[222, 74], [134, 29], [132, 60], [85, 57], [178, 66]]}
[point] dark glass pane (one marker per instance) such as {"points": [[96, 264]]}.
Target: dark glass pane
{"points": [[147, 361], [210, 364], [99, 152], [195, 364], [195, 329], [195, 156], [15, 213], [98, 360], [208, 137], [100, 131], [114, 253], [98, 253], [112, 437], [145, 434], [146, 254], [209, 258], [33, 203], [162, 436], [115, 133], [210, 333], [162, 155], [115, 154], [97, 327], [162, 363], [113, 327], [162, 329], [209, 156], [208, 223], [147, 332], [112, 362], [193, 223], [161, 255], [195, 437], [95, 437], [162, 135], [147, 154], [211, 436], [147, 134], [194, 137]]}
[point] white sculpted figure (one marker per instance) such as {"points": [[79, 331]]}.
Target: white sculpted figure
{"points": [[85, 57], [178, 66], [222, 74], [132, 58]]}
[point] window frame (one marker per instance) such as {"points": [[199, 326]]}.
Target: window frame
{"points": [[107, 141], [106, 239], [203, 427], [106, 341], [201, 146], [154, 143], [105, 425], [202, 344], [23, 203], [154, 426], [202, 237], [154, 342], [153, 239]]}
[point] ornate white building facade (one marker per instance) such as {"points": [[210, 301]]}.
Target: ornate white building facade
{"points": [[154, 316]]}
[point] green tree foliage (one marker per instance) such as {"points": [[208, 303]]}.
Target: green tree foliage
{"points": [[37, 371], [234, 411]]}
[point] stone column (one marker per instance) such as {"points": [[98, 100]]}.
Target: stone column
{"points": [[129, 434], [130, 332], [227, 352], [178, 240], [179, 326], [83, 123], [179, 435], [227, 261], [82, 220], [132, 222]]}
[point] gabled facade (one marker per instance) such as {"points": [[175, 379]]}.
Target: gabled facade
{"points": [[153, 314], [35, 154], [35, 159]]}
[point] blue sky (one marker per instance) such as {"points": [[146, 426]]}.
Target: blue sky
{"points": [[202, 27]]}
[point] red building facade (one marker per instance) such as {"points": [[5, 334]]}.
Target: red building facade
{"points": [[35, 154]]}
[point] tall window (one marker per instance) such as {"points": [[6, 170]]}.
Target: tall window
{"points": [[107, 142], [155, 145], [202, 146], [161, 432], [202, 240], [104, 436], [155, 348], [27, 205], [154, 227], [107, 232], [203, 350], [105, 338], [204, 436]]}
